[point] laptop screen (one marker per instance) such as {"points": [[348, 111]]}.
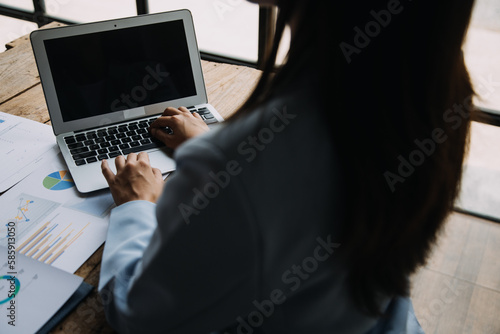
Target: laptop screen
{"points": [[105, 72]]}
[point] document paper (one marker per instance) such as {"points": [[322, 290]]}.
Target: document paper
{"points": [[31, 293], [55, 224], [23, 144]]}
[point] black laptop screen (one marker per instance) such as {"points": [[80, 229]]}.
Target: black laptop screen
{"points": [[100, 73]]}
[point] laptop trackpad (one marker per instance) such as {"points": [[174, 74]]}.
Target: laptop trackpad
{"points": [[159, 159], [89, 177]]}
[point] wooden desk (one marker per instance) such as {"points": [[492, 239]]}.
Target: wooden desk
{"points": [[21, 94]]}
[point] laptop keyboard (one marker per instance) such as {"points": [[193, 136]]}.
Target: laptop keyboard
{"points": [[109, 142]]}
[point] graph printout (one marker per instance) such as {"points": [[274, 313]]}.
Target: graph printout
{"points": [[23, 144], [31, 294], [54, 223]]}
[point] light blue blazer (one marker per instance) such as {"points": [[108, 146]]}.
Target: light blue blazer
{"points": [[244, 237]]}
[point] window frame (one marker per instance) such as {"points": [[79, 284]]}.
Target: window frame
{"points": [[267, 22]]}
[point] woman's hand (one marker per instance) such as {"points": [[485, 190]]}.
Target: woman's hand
{"points": [[135, 179], [182, 122]]}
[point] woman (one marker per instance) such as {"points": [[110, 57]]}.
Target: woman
{"points": [[310, 208]]}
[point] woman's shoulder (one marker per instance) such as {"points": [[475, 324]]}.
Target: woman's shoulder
{"points": [[286, 114]]}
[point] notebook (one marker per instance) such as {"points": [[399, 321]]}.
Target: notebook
{"points": [[106, 82]]}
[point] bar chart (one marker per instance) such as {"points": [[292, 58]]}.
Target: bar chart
{"points": [[51, 240]]}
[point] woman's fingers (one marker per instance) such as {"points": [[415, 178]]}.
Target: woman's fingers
{"points": [[132, 157], [119, 163], [171, 111], [135, 179], [182, 125], [106, 171], [162, 135], [196, 115], [143, 156], [157, 173], [163, 122]]}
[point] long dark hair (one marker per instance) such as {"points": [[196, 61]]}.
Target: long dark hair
{"points": [[397, 96]]}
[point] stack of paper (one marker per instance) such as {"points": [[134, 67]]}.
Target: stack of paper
{"points": [[47, 228], [31, 293], [56, 225]]}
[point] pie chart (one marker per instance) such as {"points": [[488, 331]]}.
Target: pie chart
{"points": [[14, 281], [58, 181]]}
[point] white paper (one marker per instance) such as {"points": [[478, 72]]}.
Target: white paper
{"points": [[56, 224], [23, 144], [42, 291]]}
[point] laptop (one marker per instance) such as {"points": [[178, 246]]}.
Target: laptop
{"points": [[106, 82]]}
